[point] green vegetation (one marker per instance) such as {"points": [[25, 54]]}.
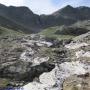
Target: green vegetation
{"points": [[4, 31], [50, 32], [4, 82]]}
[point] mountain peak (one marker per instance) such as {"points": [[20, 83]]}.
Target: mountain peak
{"points": [[66, 9], [68, 6], [2, 6]]}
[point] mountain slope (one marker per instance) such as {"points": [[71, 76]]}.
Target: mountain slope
{"points": [[65, 32], [66, 16], [7, 23], [21, 16], [31, 22], [5, 32], [69, 12]]}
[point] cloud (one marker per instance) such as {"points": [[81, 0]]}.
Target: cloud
{"points": [[50, 6], [41, 6], [12, 2]]}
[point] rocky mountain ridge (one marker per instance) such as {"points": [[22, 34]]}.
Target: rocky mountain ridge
{"points": [[24, 17]]}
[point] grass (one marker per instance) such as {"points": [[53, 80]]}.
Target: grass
{"points": [[50, 32], [4, 82], [5, 31]]}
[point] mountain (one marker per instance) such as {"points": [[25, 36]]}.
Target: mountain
{"points": [[57, 58], [66, 16], [25, 20], [7, 23], [66, 32], [8, 32], [21, 16], [69, 12]]}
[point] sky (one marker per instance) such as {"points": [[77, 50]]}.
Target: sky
{"points": [[45, 6]]}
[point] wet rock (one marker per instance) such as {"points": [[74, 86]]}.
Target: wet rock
{"points": [[24, 71]]}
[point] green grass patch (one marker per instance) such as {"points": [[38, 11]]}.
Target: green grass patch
{"points": [[5, 31], [50, 32], [4, 82]]}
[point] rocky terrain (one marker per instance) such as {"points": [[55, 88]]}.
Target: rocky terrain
{"points": [[55, 58], [34, 62]]}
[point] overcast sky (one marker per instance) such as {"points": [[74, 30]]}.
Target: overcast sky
{"points": [[45, 6]]}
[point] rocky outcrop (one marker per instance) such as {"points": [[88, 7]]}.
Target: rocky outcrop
{"points": [[45, 64], [67, 75], [20, 59], [54, 80], [24, 71]]}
